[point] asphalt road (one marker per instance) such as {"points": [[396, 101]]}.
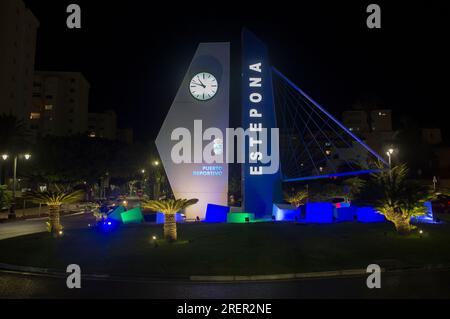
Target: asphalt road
{"points": [[30, 226], [413, 284]]}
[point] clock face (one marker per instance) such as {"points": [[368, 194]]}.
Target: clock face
{"points": [[203, 86]]}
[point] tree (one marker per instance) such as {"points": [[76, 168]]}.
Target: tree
{"points": [[324, 192], [352, 187], [396, 197], [54, 199], [297, 198], [169, 207], [5, 197]]}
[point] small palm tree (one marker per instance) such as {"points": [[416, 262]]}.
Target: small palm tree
{"points": [[396, 197], [352, 186], [54, 200], [169, 207], [297, 198]]}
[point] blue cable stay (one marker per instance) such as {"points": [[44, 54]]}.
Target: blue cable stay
{"points": [[331, 143], [314, 135], [314, 144]]}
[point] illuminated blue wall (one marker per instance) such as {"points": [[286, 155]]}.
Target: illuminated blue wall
{"points": [[216, 213], [344, 214], [319, 213], [368, 215], [283, 212]]}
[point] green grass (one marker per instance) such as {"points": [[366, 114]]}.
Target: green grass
{"points": [[229, 249]]}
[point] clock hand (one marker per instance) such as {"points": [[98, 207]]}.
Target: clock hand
{"points": [[198, 78]]}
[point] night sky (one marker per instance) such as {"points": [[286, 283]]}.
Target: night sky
{"points": [[134, 53]]}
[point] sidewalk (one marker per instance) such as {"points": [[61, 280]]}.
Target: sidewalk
{"points": [[27, 213], [36, 212]]}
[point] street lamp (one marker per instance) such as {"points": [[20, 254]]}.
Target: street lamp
{"points": [[389, 153], [4, 157], [157, 179]]}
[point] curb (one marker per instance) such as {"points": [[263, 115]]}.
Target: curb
{"points": [[36, 271], [319, 274]]}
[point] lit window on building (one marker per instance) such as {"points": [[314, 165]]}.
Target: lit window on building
{"points": [[48, 107], [92, 134], [35, 116]]}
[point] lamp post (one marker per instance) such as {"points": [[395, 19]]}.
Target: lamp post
{"points": [[157, 180], [4, 157], [389, 153], [12, 208]]}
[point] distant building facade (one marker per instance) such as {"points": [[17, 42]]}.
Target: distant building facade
{"points": [[381, 120], [356, 121], [18, 28], [374, 127], [60, 103], [103, 125], [432, 136]]}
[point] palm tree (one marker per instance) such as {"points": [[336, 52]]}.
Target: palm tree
{"points": [[169, 207], [297, 198], [396, 197], [5, 197], [54, 200], [352, 186]]}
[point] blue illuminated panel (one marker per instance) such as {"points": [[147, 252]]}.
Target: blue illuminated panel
{"points": [[216, 213], [344, 214], [116, 213], [283, 212], [319, 213], [368, 215]]}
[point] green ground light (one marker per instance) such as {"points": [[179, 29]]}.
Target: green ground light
{"points": [[240, 217], [132, 216]]}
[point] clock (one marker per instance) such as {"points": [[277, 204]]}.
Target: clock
{"points": [[203, 86]]}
